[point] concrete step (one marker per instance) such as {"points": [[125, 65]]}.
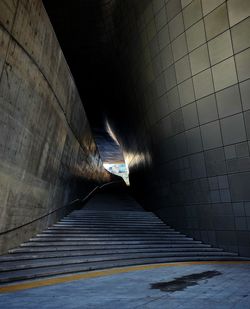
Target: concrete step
{"points": [[115, 213], [107, 242], [42, 255], [103, 225], [37, 263], [111, 229], [112, 217], [83, 240], [27, 274], [52, 248], [116, 222], [106, 221], [107, 238], [106, 234]]}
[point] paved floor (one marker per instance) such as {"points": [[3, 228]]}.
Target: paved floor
{"points": [[229, 287]]}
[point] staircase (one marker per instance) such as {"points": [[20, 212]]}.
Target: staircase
{"points": [[111, 231]]}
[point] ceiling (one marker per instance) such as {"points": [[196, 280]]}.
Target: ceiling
{"points": [[85, 42]]}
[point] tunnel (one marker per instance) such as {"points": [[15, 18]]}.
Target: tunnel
{"points": [[159, 87]]}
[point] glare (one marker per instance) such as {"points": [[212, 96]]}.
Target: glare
{"points": [[119, 169], [133, 159]]}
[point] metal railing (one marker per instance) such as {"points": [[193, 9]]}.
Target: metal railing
{"points": [[69, 205]]}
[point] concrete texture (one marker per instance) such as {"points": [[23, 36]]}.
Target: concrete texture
{"points": [[47, 153], [229, 289]]}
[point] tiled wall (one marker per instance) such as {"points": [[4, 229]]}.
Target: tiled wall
{"points": [[186, 67]]}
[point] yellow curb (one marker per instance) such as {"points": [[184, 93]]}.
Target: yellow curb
{"points": [[102, 273]]}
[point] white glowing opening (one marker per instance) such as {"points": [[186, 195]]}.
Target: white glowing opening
{"points": [[119, 169]]}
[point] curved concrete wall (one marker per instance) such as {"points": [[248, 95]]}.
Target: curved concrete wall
{"points": [[186, 67], [46, 142]]}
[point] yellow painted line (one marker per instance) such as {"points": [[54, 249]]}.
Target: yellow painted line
{"points": [[105, 272]]}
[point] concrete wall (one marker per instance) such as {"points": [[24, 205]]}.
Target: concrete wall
{"points": [[186, 72], [47, 154]]}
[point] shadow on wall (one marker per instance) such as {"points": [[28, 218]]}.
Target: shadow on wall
{"points": [[184, 67]]}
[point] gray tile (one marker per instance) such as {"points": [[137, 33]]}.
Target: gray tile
{"points": [[242, 150], [196, 35], [238, 165], [160, 85], [186, 92], [243, 64], [221, 224], [238, 10], [182, 69], [225, 196], [157, 5], [245, 94], [166, 127], [230, 152], [247, 123], [224, 74], [199, 59], [170, 77], [194, 142], [239, 186], [203, 84], [173, 7], [216, 22], [211, 135], [160, 19], [210, 5], [247, 208], [233, 129], [228, 101], [215, 162], [173, 99], [220, 48], [207, 109], [162, 107], [198, 167], [223, 182], [157, 66], [176, 26], [166, 57], [154, 47], [213, 183], [240, 35], [151, 30], [177, 122], [184, 3], [163, 37], [148, 13], [179, 47], [238, 209], [192, 13], [190, 116]]}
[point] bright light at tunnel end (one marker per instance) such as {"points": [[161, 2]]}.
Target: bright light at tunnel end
{"points": [[119, 169]]}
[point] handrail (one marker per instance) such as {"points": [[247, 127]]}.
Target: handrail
{"points": [[83, 200]]}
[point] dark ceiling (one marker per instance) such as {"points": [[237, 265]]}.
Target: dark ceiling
{"points": [[86, 45]]}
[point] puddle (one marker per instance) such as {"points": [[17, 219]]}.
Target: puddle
{"points": [[179, 284]]}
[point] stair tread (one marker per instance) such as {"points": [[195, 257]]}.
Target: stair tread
{"points": [[36, 255], [14, 265], [53, 248], [58, 270]]}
